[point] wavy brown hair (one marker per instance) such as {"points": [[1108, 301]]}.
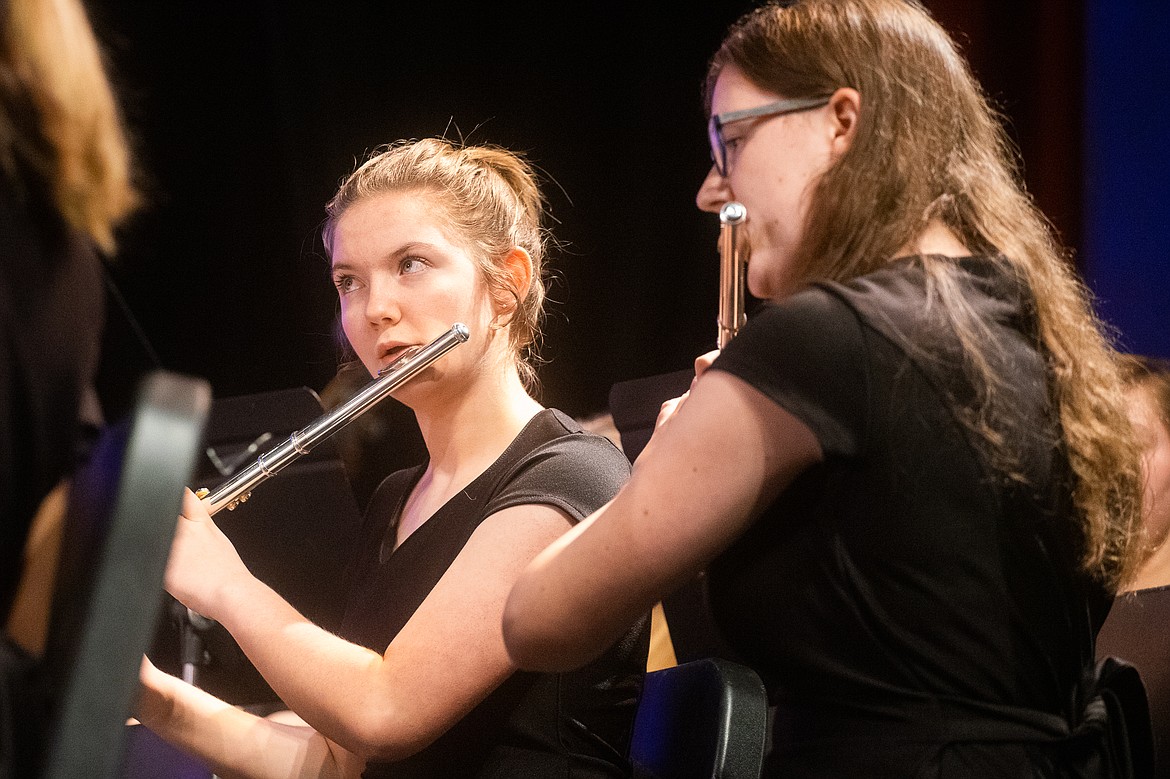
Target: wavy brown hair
{"points": [[493, 203], [59, 119], [928, 146]]}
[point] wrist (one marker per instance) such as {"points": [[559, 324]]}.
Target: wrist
{"points": [[232, 592]]}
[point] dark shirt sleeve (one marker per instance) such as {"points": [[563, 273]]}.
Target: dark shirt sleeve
{"points": [[807, 354], [52, 306], [577, 473]]}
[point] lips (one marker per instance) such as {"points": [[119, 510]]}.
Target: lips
{"points": [[392, 353], [388, 355]]}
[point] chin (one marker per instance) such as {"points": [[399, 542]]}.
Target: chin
{"points": [[759, 285], [772, 286]]}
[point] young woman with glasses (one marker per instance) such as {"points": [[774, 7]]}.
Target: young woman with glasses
{"points": [[910, 478]]}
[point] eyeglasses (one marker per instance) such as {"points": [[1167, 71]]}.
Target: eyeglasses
{"points": [[717, 122]]}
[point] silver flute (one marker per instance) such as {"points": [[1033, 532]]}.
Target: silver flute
{"points": [[732, 272], [237, 489]]}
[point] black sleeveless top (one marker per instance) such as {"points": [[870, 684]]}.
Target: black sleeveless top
{"points": [[533, 725]]}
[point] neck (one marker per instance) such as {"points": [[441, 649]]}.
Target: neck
{"points": [[465, 433]]}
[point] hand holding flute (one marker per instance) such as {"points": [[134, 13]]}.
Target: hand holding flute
{"points": [[201, 547], [732, 294]]}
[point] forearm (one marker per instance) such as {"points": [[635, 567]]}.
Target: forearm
{"points": [[332, 684], [335, 686], [558, 622], [232, 742], [446, 659]]}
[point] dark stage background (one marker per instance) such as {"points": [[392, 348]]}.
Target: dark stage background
{"points": [[248, 114]]}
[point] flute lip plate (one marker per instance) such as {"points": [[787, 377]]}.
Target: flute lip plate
{"points": [[406, 355], [458, 330]]}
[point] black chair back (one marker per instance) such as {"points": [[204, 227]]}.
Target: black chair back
{"points": [[706, 719], [115, 542]]}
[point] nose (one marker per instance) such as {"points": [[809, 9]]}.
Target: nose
{"points": [[713, 193], [382, 304]]}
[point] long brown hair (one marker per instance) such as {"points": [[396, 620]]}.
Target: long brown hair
{"points": [[59, 119], [929, 146], [493, 202]]}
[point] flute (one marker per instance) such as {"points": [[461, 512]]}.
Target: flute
{"points": [[237, 489], [732, 272]]}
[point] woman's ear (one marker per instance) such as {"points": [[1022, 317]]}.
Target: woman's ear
{"points": [[517, 269], [844, 112]]}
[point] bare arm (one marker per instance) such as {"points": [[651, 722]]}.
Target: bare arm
{"points": [[389, 705], [708, 471], [245, 745]]}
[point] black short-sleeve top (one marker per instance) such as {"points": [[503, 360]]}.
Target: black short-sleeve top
{"points": [[564, 725], [903, 578]]}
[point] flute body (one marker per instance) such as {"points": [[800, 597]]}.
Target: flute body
{"points": [[237, 489], [732, 272]]}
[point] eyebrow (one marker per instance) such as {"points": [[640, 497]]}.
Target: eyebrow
{"points": [[405, 249]]}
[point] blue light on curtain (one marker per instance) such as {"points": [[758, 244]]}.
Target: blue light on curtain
{"points": [[1127, 169]]}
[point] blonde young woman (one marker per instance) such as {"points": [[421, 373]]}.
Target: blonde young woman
{"points": [[418, 683], [910, 479]]}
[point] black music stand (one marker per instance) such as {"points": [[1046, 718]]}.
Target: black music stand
{"points": [[295, 533], [115, 540], [635, 405]]}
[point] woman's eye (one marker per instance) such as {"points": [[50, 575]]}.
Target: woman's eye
{"points": [[412, 265], [345, 284]]}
